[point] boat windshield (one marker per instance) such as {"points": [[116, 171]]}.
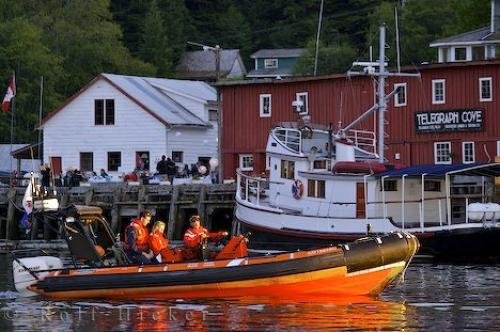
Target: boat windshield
{"points": [[288, 137]]}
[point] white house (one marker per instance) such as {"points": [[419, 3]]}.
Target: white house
{"points": [[119, 123]]}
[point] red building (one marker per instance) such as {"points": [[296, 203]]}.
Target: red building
{"points": [[448, 115]]}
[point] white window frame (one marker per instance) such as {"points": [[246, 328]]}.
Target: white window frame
{"points": [[244, 162], [467, 52], [498, 148], [473, 156], [262, 97], [396, 99], [481, 80], [447, 161], [434, 83], [270, 63], [305, 105]]}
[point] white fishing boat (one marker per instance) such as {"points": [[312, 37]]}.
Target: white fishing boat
{"points": [[331, 187]]}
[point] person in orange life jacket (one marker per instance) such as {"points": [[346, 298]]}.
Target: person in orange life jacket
{"points": [[195, 234], [158, 242], [136, 239]]}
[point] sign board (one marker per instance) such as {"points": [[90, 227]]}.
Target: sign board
{"points": [[452, 120]]}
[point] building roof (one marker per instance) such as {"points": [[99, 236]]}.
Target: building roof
{"points": [[279, 53], [479, 36], [492, 169], [271, 72], [201, 64], [154, 96]]}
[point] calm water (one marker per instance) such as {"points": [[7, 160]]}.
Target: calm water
{"points": [[433, 297]]}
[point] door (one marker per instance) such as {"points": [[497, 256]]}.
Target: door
{"points": [[56, 170], [360, 200]]}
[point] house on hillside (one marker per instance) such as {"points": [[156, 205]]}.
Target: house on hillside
{"points": [[120, 123], [201, 65], [480, 44], [275, 63]]}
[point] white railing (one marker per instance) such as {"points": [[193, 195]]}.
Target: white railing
{"points": [[251, 186], [363, 139]]}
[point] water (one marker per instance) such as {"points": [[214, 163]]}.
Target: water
{"points": [[434, 297]]}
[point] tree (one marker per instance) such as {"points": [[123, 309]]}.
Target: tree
{"points": [[155, 47], [331, 59]]}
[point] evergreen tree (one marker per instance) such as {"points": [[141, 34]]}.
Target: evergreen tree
{"points": [[155, 48]]}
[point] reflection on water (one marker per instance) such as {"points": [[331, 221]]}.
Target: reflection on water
{"points": [[433, 297]]}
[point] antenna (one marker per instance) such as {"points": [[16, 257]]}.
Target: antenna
{"points": [[397, 38]]}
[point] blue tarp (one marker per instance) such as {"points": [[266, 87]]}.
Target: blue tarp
{"points": [[442, 170]]}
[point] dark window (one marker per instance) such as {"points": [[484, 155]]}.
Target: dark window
{"points": [[177, 156], [316, 188], [110, 111], [287, 169], [142, 160], [478, 53], [432, 186], [99, 111], [86, 161], [104, 115], [460, 54], [212, 115], [390, 185], [114, 160], [319, 164]]}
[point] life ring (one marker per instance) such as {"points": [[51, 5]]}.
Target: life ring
{"points": [[297, 189]]}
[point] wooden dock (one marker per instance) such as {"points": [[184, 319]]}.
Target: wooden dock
{"points": [[121, 202]]}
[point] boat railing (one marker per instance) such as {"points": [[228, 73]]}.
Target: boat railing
{"points": [[363, 139], [249, 186]]}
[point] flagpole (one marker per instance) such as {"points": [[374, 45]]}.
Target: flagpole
{"points": [[40, 121], [12, 133]]}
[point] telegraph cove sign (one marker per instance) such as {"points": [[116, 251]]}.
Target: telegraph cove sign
{"points": [[461, 120]]}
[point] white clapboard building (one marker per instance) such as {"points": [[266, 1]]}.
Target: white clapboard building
{"points": [[118, 123]]}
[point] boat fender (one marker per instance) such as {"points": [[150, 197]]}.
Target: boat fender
{"points": [[297, 189]]}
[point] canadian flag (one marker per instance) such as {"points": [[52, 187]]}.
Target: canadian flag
{"points": [[11, 92]]}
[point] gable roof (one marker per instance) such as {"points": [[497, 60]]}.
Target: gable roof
{"points": [[201, 64], [152, 95], [479, 36], [279, 53]]}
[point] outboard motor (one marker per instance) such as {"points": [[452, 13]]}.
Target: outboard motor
{"points": [[25, 271]]}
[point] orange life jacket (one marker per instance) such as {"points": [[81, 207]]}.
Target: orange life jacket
{"points": [[142, 234], [157, 242]]}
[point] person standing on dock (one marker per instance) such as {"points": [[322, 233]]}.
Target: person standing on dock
{"points": [[161, 167], [136, 239]]}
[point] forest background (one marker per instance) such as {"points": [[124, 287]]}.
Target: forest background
{"points": [[69, 42]]}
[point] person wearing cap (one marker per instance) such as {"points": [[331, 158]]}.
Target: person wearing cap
{"points": [[195, 234], [136, 239]]}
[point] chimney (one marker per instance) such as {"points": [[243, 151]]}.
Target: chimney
{"points": [[495, 16]]}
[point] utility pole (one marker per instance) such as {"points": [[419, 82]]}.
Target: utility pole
{"points": [[217, 52]]}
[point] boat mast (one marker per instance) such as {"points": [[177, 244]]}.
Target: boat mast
{"points": [[382, 98]]}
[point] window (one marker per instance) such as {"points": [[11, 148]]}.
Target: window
{"points": [[212, 115], [114, 161], [400, 97], [246, 162], [390, 185], [468, 153], [268, 163], [270, 63], [460, 53], [265, 105], [104, 112], [86, 161], [438, 91], [142, 160], [177, 156], [442, 152], [485, 89], [316, 188], [302, 96], [287, 169], [432, 185], [319, 164], [498, 148], [478, 53]]}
